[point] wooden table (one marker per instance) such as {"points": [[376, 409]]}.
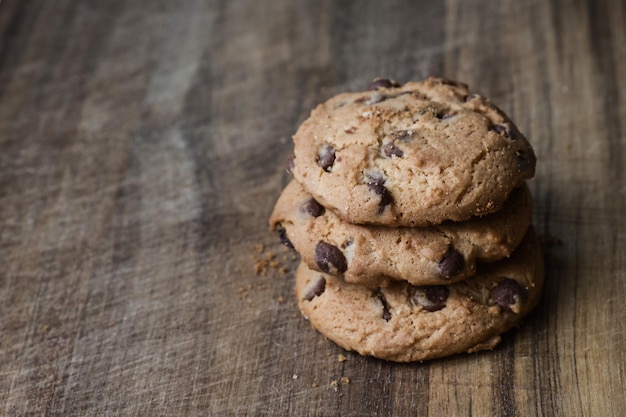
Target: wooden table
{"points": [[142, 147]]}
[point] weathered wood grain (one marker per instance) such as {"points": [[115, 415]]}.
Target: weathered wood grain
{"points": [[142, 146]]}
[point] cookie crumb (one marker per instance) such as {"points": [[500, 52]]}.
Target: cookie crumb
{"points": [[281, 299], [334, 384], [275, 264], [260, 267], [267, 261], [294, 376], [341, 358], [314, 385], [345, 380], [244, 291]]}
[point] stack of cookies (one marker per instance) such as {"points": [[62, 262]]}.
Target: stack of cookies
{"points": [[411, 215]]}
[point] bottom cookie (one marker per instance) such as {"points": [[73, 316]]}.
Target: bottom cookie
{"points": [[407, 323]]}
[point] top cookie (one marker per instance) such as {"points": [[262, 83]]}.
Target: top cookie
{"points": [[411, 155]]}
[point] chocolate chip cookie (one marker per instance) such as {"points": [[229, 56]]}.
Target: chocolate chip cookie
{"points": [[405, 323], [412, 155], [374, 255]]}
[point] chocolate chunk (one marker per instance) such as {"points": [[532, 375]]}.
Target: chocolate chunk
{"points": [[390, 149], [386, 313], [291, 164], [282, 234], [330, 259], [326, 157], [430, 297], [376, 185], [385, 196], [313, 208], [509, 294], [316, 289], [470, 97], [501, 130], [377, 83], [451, 264]]}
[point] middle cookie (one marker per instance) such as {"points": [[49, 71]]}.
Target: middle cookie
{"points": [[375, 255]]}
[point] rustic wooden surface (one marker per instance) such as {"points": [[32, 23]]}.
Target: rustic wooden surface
{"points": [[142, 146]]}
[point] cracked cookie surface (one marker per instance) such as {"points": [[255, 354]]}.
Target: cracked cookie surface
{"points": [[374, 255], [411, 155], [406, 323]]}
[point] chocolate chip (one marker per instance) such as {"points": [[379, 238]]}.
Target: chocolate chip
{"points": [[316, 289], [282, 234], [501, 130], [430, 297], [470, 97], [376, 185], [390, 149], [508, 294], [330, 259], [313, 208], [291, 164], [451, 264], [377, 83], [386, 313], [326, 157]]}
